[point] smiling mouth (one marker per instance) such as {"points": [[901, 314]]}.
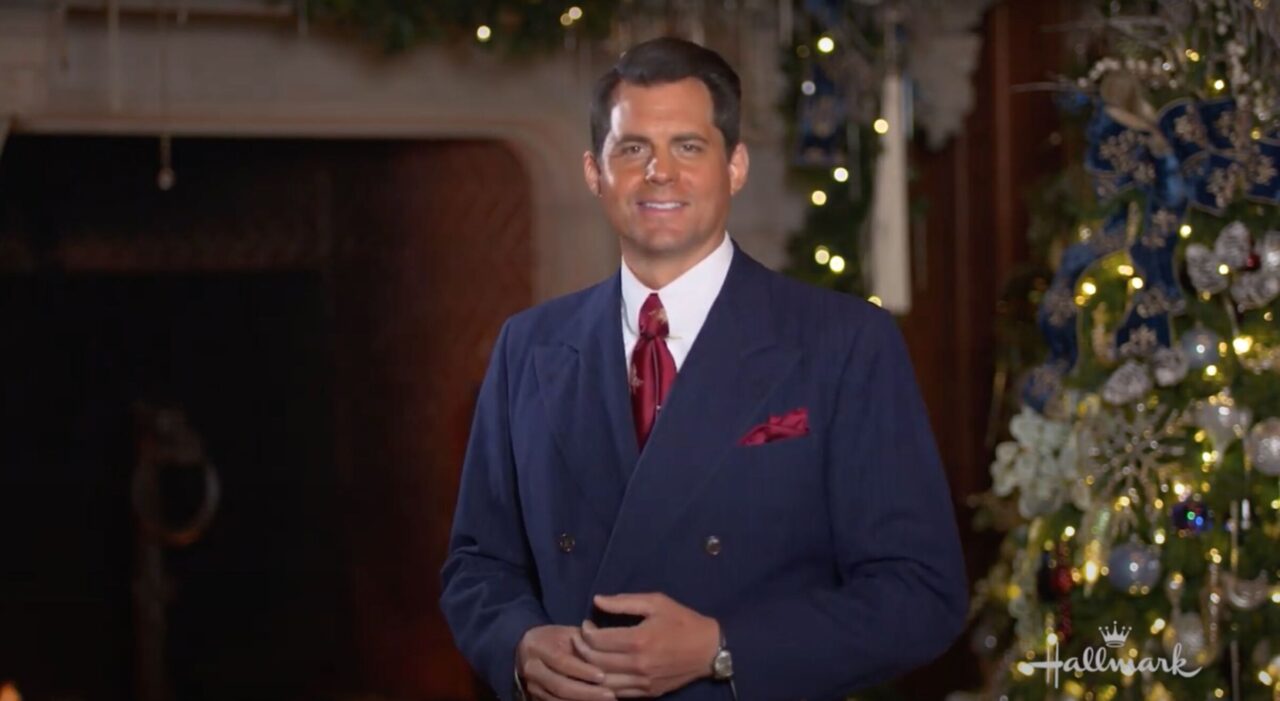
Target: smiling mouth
{"points": [[662, 206]]}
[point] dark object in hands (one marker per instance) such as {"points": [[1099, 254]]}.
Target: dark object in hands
{"points": [[604, 619]]}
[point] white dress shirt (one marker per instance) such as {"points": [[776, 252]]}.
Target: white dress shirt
{"points": [[687, 299]]}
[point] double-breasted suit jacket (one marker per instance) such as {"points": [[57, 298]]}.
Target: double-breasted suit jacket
{"points": [[831, 560]]}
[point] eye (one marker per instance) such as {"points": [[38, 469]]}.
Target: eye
{"points": [[690, 147], [630, 149]]}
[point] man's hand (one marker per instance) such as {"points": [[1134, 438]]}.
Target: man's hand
{"points": [[551, 671], [673, 646]]}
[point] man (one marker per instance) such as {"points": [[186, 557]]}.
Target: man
{"points": [[735, 464]]}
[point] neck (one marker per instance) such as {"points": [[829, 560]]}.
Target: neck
{"points": [[656, 272]]}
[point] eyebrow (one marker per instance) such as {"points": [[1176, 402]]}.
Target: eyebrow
{"points": [[636, 138]]}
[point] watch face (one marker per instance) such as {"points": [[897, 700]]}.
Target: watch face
{"points": [[723, 665]]}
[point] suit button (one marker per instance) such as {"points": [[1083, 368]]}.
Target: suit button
{"points": [[712, 545], [565, 542]]}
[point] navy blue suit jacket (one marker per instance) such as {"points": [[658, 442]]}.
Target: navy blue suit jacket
{"points": [[839, 564]]}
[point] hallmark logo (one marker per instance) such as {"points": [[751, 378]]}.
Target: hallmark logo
{"points": [[1097, 659], [1115, 636]]}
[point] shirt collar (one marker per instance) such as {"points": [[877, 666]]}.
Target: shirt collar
{"points": [[687, 299]]}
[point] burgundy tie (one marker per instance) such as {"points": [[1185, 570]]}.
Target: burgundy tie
{"points": [[652, 368]]}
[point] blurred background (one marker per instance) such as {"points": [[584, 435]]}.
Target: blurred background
{"points": [[254, 255]]}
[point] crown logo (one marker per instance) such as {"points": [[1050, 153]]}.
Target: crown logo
{"points": [[1115, 635]]}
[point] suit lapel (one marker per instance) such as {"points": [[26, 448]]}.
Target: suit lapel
{"points": [[581, 379], [734, 365]]}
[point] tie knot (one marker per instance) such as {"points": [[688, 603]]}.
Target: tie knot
{"points": [[653, 318]]}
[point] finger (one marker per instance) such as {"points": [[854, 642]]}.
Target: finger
{"points": [[627, 684], [609, 639], [575, 667], [610, 662], [539, 692], [634, 693], [570, 689], [635, 604]]}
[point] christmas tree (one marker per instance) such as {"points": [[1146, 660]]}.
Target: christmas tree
{"points": [[1141, 490]]}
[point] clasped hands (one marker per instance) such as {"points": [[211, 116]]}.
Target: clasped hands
{"points": [[672, 646]]}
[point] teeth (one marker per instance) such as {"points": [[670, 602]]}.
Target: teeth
{"points": [[662, 205]]}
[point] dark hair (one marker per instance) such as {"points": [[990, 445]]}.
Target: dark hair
{"points": [[668, 60]]}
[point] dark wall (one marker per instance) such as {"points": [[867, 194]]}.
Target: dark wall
{"points": [[312, 309]]}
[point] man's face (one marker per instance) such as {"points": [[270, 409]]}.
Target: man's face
{"points": [[663, 174]]}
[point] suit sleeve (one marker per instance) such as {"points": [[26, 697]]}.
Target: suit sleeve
{"points": [[490, 595], [901, 595]]}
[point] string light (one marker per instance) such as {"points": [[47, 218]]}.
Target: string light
{"points": [[881, 126], [826, 44], [1211, 371], [1219, 85], [876, 300], [1242, 344], [821, 255], [840, 174], [836, 264], [483, 33], [565, 19], [575, 13], [1136, 283], [818, 198], [1184, 231], [808, 88], [1193, 55], [1088, 288], [1125, 269]]}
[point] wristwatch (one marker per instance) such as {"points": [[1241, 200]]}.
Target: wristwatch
{"points": [[722, 663]]}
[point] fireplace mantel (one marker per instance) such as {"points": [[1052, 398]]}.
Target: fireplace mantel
{"points": [[73, 73]]}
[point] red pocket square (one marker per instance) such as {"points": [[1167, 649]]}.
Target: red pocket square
{"points": [[793, 424]]}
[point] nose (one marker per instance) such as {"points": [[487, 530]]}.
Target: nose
{"points": [[659, 170]]}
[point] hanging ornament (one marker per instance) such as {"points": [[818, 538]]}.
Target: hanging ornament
{"points": [[1268, 251], [1245, 594], [1233, 245], [1133, 567], [1255, 290], [1129, 383], [1206, 269], [1191, 517], [1169, 366], [1263, 447], [1187, 630], [1223, 419], [1200, 346]]}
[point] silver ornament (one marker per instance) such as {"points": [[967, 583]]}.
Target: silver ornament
{"points": [[1233, 245], [1254, 290], [1187, 630], [1223, 419], [1170, 366], [1201, 347], [1204, 269], [1129, 383], [1269, 253], [1133, 567], [1245, 594], [1263, 447]]}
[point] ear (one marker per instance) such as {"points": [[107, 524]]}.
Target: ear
{"points": [[591, 172], [739, 164]]}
